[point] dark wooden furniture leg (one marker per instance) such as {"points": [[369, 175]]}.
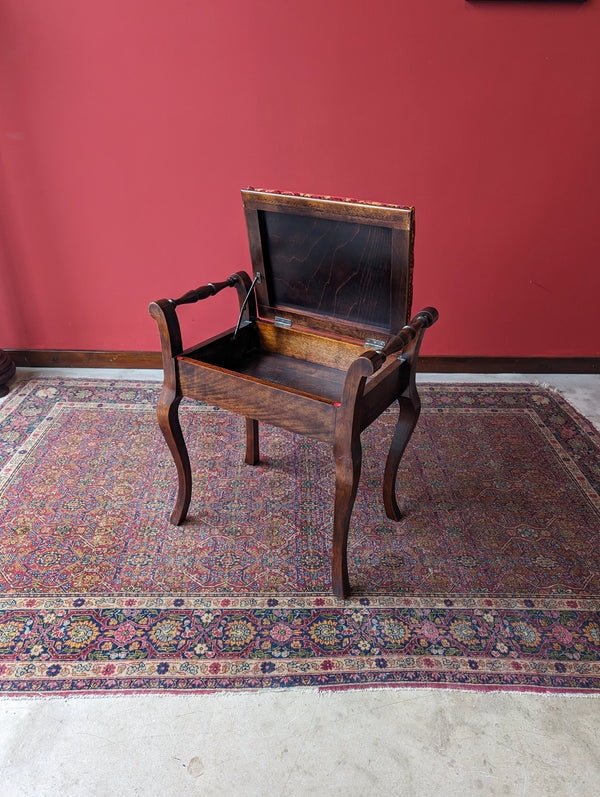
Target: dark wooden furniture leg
{"points": [[347, 453], [408, 340], [348, 462], [252, 444], [168, 419], [408, 416]]}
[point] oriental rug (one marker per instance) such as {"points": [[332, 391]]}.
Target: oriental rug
{"points": [[491, 580]]}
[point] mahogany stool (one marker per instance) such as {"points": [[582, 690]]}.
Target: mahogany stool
{"points": [[322, 347]]}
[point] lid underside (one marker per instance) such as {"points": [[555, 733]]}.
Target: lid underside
{"points": [[336, 266]]}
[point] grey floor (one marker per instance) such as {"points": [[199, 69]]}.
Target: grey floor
{"points": [[408, 742]]}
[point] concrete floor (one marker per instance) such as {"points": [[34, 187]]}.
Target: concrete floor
{"points": [[407, 742]]}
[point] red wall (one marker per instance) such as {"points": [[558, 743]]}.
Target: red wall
{"points": [[128, 129]]}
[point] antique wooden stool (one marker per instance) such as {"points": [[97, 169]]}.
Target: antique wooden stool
{"points": [[322, 346]]}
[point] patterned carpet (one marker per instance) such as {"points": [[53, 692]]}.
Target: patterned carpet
{"points": [[491, 580]]}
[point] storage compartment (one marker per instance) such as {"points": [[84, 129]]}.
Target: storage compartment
{"points": [[271, 355]]}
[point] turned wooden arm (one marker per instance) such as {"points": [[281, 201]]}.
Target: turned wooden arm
{"points": [[408, 333], [408, 338], [204, 291], [240, 281], [164, 312]]}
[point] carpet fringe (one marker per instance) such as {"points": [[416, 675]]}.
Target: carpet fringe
{"points": [[320, 693]]}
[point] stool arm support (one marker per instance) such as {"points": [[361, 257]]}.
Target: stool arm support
{"points": [[164, 310], [408, 333], [408, 340], [203, 292]]}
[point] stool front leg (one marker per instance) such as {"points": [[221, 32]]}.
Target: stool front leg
{"points": [[348, 463], [167, 412], [347, 454]]}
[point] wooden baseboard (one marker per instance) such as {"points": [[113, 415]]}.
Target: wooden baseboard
{"points": [[510, 365], [49, 358], [30, 358]]}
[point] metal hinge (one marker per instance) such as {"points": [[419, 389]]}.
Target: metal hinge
{"points": [[282, 322], [373, 343]]}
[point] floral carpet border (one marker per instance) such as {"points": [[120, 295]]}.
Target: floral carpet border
{"points": [[203, 644]]}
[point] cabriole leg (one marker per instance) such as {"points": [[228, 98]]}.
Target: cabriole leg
{"points": [[348, 463], [408, 416], [168, 420]]}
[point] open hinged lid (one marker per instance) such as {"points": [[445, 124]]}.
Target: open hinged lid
{"points": [[332, 265]]}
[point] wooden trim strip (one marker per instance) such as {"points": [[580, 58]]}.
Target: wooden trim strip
{"points": [[509, 365], [48, 358]]}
